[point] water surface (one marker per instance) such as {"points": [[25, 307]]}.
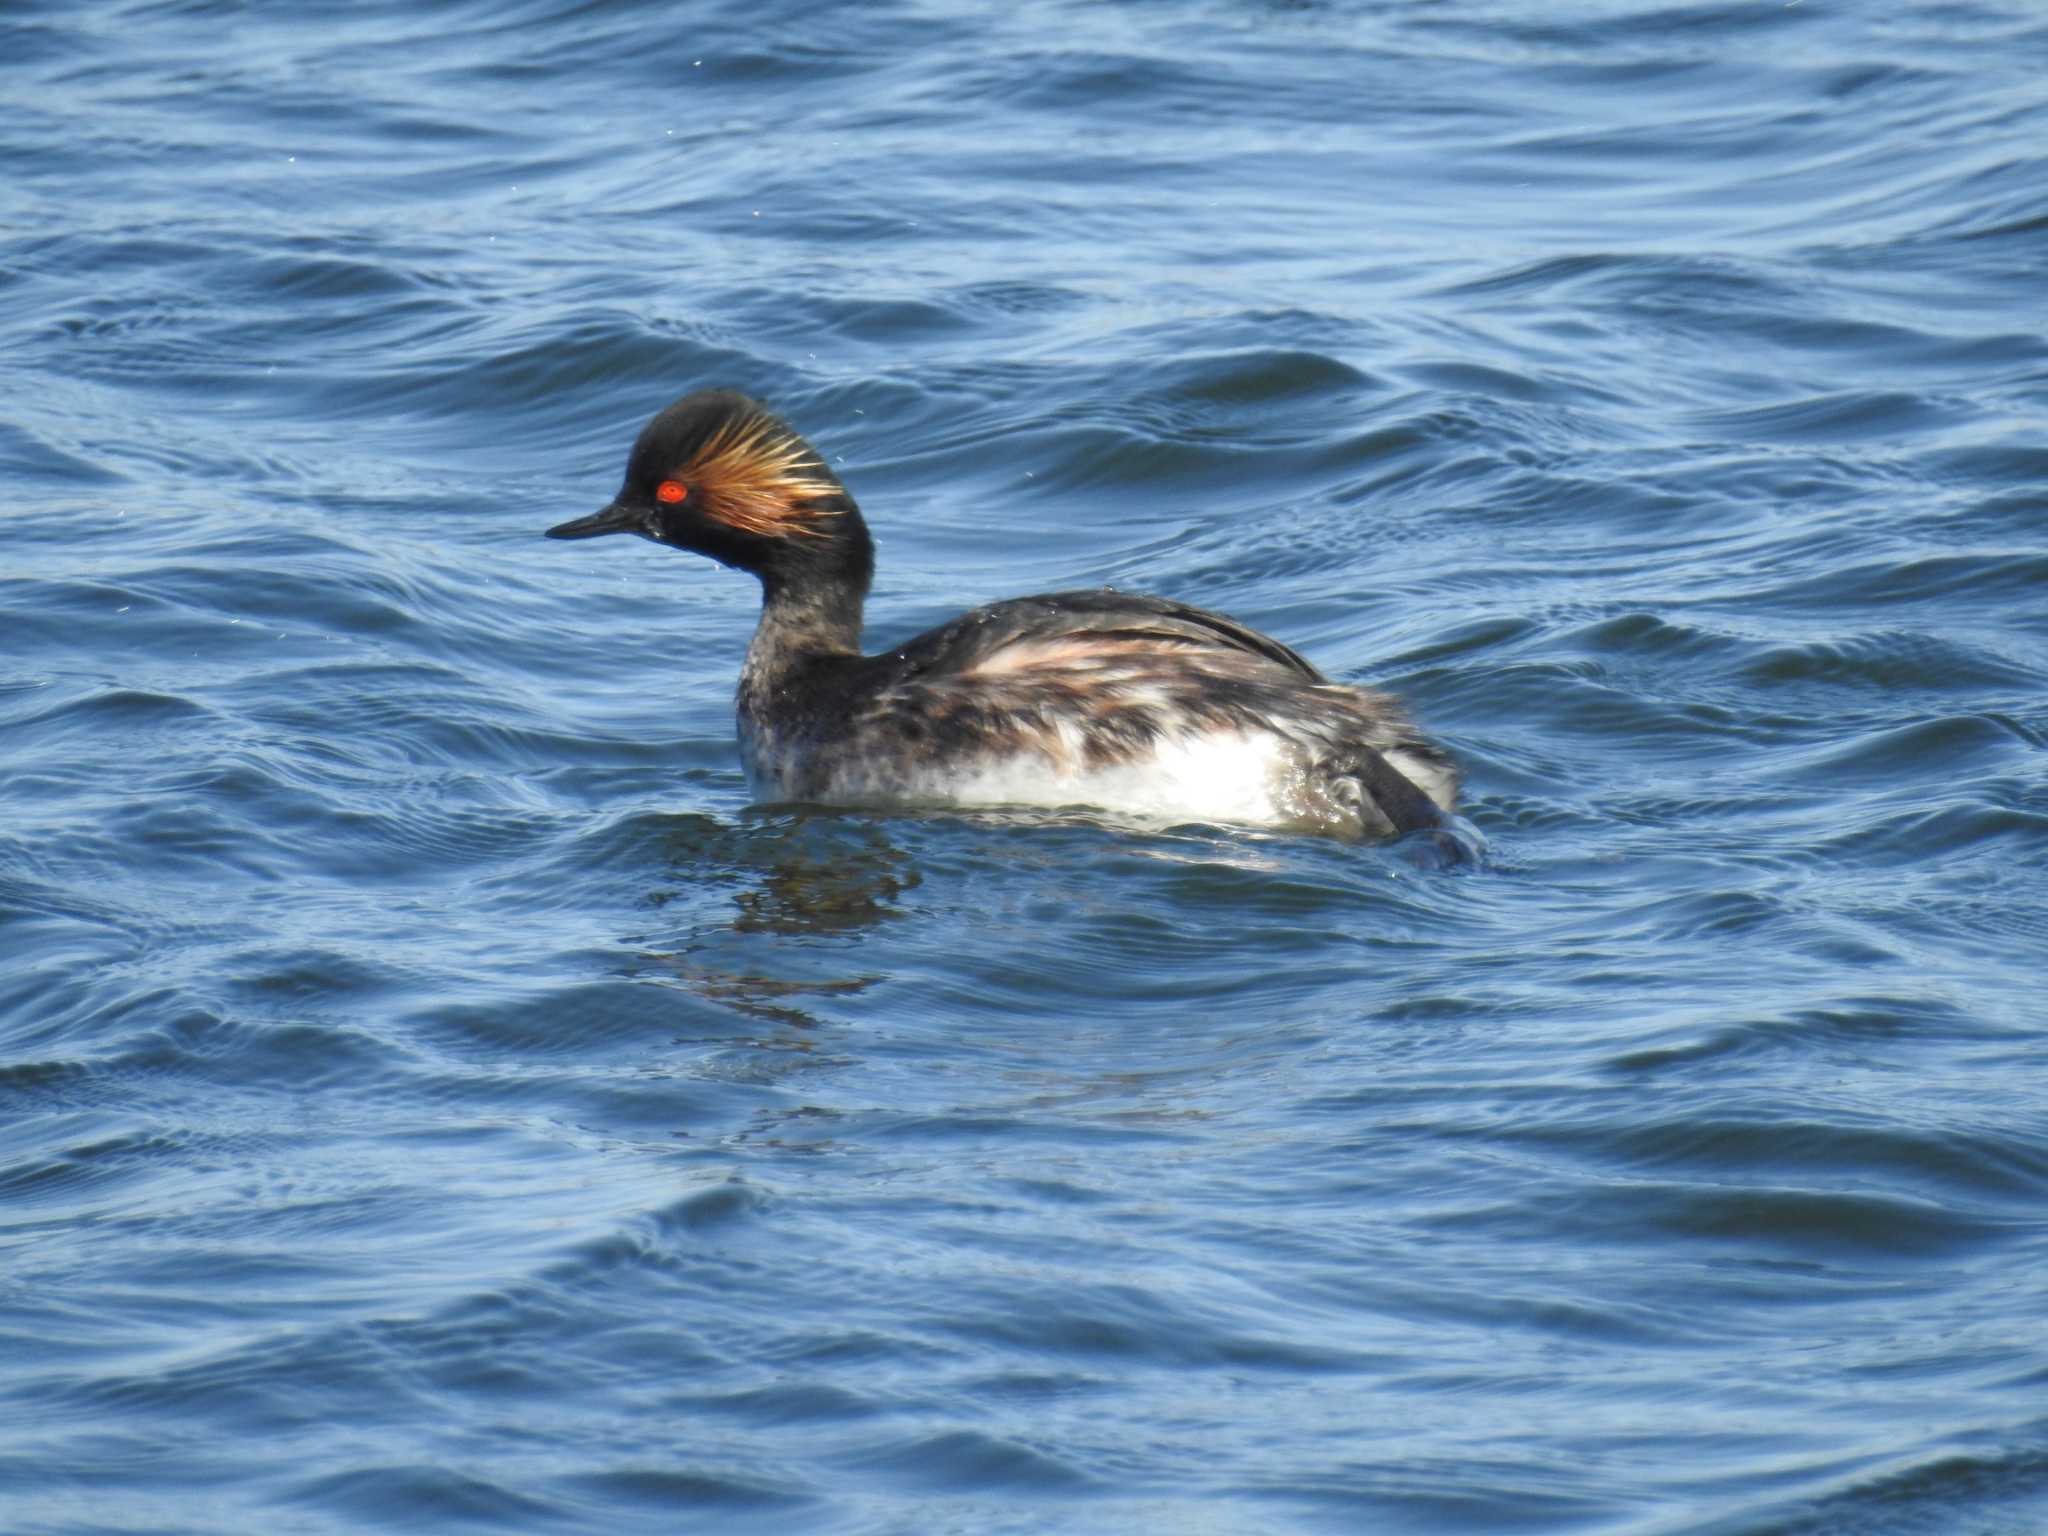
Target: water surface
{"points": [[432, 1098]]}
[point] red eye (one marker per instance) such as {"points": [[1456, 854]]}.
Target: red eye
{"points": [[671, 491]]}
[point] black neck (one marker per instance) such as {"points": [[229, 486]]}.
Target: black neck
{"points": [[814, 588]]}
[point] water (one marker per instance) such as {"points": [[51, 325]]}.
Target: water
{"points": [[432, 1099]]}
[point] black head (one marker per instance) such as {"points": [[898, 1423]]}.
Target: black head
{"points": [[720, 474]]}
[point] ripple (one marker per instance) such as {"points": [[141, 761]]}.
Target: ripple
{"points": [[1842, 418], [1925, 750], [397, 1492]]}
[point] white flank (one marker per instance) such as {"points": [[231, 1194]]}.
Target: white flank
{"points": [[1249, 778]]}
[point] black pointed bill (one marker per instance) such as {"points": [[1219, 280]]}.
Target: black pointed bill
{"points": [[613, 519]]}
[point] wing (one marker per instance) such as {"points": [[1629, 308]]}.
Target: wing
{"points": [[1077, 631]]}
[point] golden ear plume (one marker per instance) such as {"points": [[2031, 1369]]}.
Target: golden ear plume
{"points": [[757, 476]]}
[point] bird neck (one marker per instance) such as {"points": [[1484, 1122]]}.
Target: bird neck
{"points": [[811, 617], [815, 585], [813, 594]]}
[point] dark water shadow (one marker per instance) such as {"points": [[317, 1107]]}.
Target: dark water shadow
{"points": [[775, 905]]}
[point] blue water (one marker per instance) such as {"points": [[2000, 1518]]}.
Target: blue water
{"points": [[431, 1098]]}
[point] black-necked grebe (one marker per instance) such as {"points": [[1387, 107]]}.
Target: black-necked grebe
{"points": [[1134, 705]]}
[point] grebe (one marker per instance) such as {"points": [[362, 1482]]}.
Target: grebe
{"points": [[1130, 704]]}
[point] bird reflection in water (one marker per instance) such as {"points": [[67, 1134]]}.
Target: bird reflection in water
{"points": [[788, 895]]}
